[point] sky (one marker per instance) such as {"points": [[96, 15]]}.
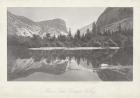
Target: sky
{"points": [[75, 17]]}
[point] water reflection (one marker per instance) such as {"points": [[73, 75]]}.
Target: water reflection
{"points": [[106, 65]]}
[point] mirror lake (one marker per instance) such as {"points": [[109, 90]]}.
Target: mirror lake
{"points": [[69, 64]]}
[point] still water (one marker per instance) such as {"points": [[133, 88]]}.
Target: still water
{"points": [[69, 65]]}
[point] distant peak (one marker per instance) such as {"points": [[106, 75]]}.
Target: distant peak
{"points": [[58, 20]]}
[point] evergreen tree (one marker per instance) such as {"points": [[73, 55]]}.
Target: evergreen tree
{"points": [[69, 34], [77, 35], [119, 28], [48, 36], [94, 28], [88, 31]]}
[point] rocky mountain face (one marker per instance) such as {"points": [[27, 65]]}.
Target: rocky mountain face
{"points": [[22, 26], [55, 27], [83, 30], [113, 17], [117, 21]]}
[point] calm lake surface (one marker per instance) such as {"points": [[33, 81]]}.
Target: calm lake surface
{"points": [[69, 65]]}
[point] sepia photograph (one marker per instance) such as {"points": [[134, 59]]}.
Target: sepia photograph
{"points": [[70, 44]]}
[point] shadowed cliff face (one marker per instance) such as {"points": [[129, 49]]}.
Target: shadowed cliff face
{"points": [[111, 18], [55, 26], [22, 26], [114, 16]]}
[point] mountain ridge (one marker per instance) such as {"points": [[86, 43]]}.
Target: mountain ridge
{"points": [[111, 18], [22, 26]]}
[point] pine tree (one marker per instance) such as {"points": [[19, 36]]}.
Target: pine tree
{"points": [[88, 31], [48, 36], [77, 35], [94, 28], [69, 34], [119, 28]]}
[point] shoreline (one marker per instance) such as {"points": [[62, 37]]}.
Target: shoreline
{"points": [[74, 48]]}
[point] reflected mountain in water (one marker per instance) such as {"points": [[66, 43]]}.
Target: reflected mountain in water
{"points": [[69, 65]]}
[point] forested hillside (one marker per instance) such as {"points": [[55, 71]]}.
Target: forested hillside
{"points": [[114, 28]]}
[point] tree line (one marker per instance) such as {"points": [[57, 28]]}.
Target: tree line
{"points": [[92, 38]]}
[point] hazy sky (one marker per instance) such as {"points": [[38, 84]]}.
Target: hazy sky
{"points": [[75, 17]]}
